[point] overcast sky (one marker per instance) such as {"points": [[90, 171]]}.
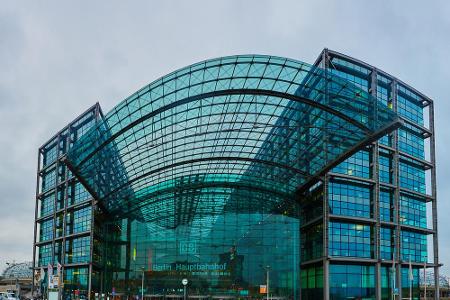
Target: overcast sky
{"points": [[57, 58]]}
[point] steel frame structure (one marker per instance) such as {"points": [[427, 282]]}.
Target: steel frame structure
{"points": [[325, 60], [235, 126], [61, 140], [227, 112]]}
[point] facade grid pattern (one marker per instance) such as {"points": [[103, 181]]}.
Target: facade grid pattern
{"points": [[371, 211], [400, 170]]}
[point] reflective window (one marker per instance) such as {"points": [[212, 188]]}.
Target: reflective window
{"points": [[47, 204], [386, 206], [216, 252], [45, 254], [349, 200], [352, 240], [78, 193], [412, 177], [76, 279], [59, 221], [413, 211], [411, 110], [383, 94], [312, 242], [78, 250], [357, 165], [386, 283], [385, 168], [362, 83], [417, 276], [312, 282], [50, 154], [352, 281], [414, 246], [46, 230], [58, 253], [49, 180], [386, 243], [78, 221], [386, 140], [411, 143]]}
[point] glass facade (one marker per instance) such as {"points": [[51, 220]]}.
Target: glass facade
{"points": [[64, 212], [385, 184], [346, 281], [236, 168], [224, 255]]}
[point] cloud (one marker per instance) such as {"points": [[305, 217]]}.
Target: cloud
{"points": [[58, 58]]}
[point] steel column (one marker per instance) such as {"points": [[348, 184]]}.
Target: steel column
{"points": [[434, 202]]}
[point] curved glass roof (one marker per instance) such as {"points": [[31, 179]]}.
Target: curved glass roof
{"points": [[18, 270], [249, 128]]}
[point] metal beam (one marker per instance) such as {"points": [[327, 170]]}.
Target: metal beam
{"points": [[226, 92]]}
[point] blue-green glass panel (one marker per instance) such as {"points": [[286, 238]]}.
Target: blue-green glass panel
{"points": [[412, 177], [413, 211], [350, 240], [349, 200]]}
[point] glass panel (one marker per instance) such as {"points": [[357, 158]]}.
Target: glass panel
{"points": [[414, 246], [357, 165], [352, 281], [353, 240], [411, 143], [46, 230], [413, 211], [386, 206], [349, 200], [77, 250], [412, 177]]}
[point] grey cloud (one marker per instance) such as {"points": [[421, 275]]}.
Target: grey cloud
{"points": [[58, 58]]}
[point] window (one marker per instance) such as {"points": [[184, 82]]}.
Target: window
{"points": [[386, 140], [349, 200], [413, 211], [412, 177], [362, 83], [411, 143], [49, 180], [78, 277], [312, 242], [78, 250], [78, 221], [352, 240], [414, 245], [78, 194], [385, 167], [46, 231], [45, 255], [47, 204], [312, 282], [386, 243], [411, 110], [357, 165], [383, 94], [352, 281], [50, 154], [386, 206]]}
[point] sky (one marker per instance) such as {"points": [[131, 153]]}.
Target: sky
{"points": [[57, 58]]}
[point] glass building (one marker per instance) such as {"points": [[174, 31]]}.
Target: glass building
{"points": [[379, 205], [238, 171]]}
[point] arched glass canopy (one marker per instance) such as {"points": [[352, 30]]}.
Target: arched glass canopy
{"points": [[241, 132]]}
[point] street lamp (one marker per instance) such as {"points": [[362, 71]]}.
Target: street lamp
{"points": [[267, 269], [142, 283], [184, 282]]}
